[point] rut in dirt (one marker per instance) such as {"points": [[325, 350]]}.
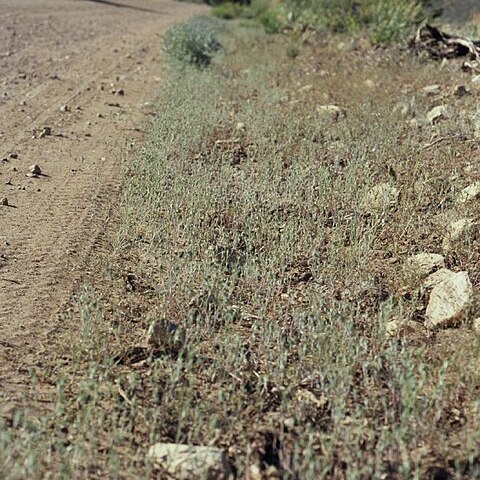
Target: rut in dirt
{"points": [[76, 78]]}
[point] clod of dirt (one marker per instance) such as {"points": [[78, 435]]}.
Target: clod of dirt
{"points": [[35, 170], [4, 201], [402, 328], [13, 155], [423, 264], [436, 114], [46, 132], [449, 301], [120, 92], [460, 91], [186, 461], [161, 333]]}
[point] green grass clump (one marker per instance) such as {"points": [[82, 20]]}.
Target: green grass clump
{"points": [[260, 11], [270, 21], [386, 21], [194, 42], [228, 10]]}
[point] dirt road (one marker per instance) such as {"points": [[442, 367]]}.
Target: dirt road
{"points": [[74, 79]]}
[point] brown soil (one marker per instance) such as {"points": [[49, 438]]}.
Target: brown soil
{"points": [[82, 54]]}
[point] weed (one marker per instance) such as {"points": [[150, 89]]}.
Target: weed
{"points": [[386, 21], [270, 21], [228, 10]]}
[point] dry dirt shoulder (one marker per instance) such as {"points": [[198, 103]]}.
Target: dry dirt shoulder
{"points": [[84, 69]]}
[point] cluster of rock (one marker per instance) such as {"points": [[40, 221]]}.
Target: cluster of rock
{"points": [[450, 292]]}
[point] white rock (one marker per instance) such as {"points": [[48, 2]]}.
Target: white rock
{"points": [[437, 113], [306, 88], [186, 462], [424, 263], [437, 277], [431, 90], [476, 80], [456, 229], [332, 111], [471, 192], [240, 126], [448, 301], [380, 197], [476, 326]]}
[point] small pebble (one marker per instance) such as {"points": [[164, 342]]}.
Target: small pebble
{"points": [[4, 201], [35, 170], [45, 132]]}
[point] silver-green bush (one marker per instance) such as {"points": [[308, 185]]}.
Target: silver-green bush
{"points": [[194, 42]]}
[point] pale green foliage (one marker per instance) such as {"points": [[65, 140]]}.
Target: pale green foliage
{"points": [[194, 42]]}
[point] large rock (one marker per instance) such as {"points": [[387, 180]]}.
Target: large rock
{"points": [[187, 462], [423, 264], [437, 277], [449, 301], [381, 197]]}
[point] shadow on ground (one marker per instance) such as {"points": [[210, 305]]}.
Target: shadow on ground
{"points": [[112, 3]]}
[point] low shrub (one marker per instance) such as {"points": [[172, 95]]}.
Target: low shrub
{"points": [[270, 21], [194, 42], [228, 10]]}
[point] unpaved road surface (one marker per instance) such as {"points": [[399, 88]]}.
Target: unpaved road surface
{"points": [[83, 68]]}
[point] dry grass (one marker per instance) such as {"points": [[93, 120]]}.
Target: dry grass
{"points": [[252, 241]]}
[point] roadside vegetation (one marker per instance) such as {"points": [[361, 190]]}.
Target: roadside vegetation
{"points": [[289, 331], [384, 21]]}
